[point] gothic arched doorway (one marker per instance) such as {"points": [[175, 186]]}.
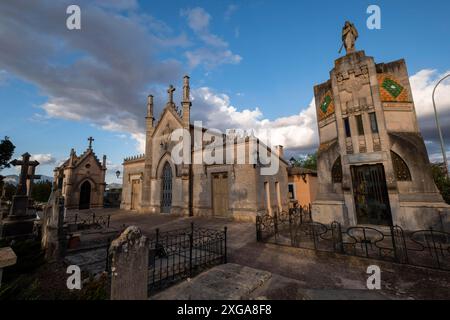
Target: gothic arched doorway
{"points": [[166, 189], [85, 195]]}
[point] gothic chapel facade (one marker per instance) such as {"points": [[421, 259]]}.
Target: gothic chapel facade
{"points": [[154, 183]]}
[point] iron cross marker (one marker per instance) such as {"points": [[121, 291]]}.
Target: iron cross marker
{"points": [[90, 139]]}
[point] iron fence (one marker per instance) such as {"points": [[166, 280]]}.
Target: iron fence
{"points": [[183, 253], [425, 248], [87, 221]]}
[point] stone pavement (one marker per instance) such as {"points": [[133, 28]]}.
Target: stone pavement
{"points": [[235, 282], [300, 273]]}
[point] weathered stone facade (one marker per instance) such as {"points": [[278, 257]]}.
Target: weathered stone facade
{"points": [[232, 190], [373, 166], [81, 180]]}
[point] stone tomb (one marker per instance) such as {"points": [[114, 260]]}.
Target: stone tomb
{"points": [[373, 166], [20, 221]]}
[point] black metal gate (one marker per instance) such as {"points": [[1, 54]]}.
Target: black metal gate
{"points": [[370, 194], [166, 189]]}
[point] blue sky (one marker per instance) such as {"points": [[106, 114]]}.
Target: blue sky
{"points": [[252, 64]]}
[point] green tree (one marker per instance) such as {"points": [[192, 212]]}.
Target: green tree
{"points": [[441, 180], [41, 191], [6, 152], [307, 162]]}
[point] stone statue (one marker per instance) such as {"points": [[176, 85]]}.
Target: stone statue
{"points": [[349, 36]]}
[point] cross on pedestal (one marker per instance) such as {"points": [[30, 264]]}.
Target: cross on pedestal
{"points": [[170, 92], [30, 179], [25, 164], [90, 139]]}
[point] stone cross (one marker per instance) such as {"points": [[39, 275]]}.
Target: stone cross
{"points": [[25, 164], [90, 139], [170, 92], [30, 178]]}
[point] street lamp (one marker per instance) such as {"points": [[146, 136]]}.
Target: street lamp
{"points": [[117, 174], [439, 127]]}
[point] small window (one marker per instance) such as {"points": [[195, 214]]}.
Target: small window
{"points": [[359, 124], [291, 191], [373, 122], [348, 133]]}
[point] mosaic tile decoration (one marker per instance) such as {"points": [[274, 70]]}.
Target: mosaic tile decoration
{"points": [[326, 107], [391, 90]]}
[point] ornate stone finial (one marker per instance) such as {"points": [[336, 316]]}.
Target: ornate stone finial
{"points": [[186, 89], [170, 91], [349, 37], [104, 161], [90, 139], [150, 106]]}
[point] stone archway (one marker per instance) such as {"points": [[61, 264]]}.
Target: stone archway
{"points": [[85, 195]]}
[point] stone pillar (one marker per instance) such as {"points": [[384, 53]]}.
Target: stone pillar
{"points": [[129, 266], [186, 103], [146, 187]]}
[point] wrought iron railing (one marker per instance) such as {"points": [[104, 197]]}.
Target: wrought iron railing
{"points": [[425, 248], [183, 253], [88, 221]]}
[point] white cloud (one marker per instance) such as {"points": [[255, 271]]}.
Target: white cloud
{"points": [[231, 9], [422, 84], [198, 19], [215, 50], [295, 132], [44, 159], [3, 77], [211, 58]]}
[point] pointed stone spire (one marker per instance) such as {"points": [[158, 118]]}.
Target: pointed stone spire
{"points": [[150, 106], [186, 103], [72, 157], [186, 89]]}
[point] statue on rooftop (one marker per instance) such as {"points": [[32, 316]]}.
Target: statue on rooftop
{"points": [[349, 37]]}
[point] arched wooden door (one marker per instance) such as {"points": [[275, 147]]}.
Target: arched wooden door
{"points": [[166, 189], [85, 195]]}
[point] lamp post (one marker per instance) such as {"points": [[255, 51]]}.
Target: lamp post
{"points": [[117, 174], [439, 127]]}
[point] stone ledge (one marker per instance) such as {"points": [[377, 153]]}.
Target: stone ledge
{"points": [[225, 282]]}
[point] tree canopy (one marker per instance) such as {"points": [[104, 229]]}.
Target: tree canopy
{"points": [[6, 152], [441, 180], [307, 162]]}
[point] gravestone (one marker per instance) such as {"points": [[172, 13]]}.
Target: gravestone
{"points": [[20, 221], [53, 236], [7, 258], [129, 266]]}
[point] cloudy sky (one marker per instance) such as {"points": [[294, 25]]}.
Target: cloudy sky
{"points": [[253, 65]]}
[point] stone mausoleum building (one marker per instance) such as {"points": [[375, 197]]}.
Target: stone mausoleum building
{"points": [[154, 183], [373, 167], [81, 179]]}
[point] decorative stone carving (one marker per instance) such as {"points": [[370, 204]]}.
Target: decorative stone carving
{"points": [[336, 171], [401, 169]]}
